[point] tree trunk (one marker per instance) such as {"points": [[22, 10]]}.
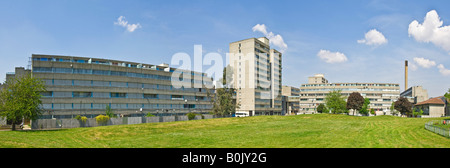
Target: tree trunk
{"points": [[13, 127]]}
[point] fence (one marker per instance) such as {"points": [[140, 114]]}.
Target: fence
{"points": [[91, 122], [430, 126]]}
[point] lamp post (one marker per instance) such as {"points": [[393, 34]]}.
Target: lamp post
{"points": [[185, 101]]}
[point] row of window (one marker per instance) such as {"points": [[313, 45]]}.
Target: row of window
{"points": [[105, 63], [206, 81], [62, 82], [350, 89], [95, 106], [49, 94], [351, 84]]}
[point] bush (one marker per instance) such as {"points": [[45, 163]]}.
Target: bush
{"points": [[102, 119], [191, 116], [149, 115], [83, 119]]}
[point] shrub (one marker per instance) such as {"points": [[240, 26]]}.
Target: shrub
{"points": [[83, 119], [149, 115], [102, 119], [191, 116]]}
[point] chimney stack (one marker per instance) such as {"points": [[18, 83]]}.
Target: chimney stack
{"points": [[406, 74]]}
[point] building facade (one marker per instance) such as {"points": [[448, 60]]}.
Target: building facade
{"points": [[415, 94], [256, 76], [292, 98], [381, 95], [86, 86], [434, 107]]}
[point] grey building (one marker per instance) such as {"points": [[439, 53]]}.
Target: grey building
{"points": [[86, 86], [257, 71]]}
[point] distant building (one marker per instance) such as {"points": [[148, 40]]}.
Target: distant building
{"points": [[291, 100], [434, 107], [256, 76], [381, 95], [86, 86], [415, 94]]}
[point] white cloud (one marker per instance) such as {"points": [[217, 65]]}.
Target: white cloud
{"points": [[331, 57], [276, 40], [425, 63], [443, 71], [431, 30], [412, 66], [373, 37], [130, 27]]}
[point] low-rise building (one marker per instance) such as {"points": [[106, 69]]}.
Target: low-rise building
{"points": [[434, 107], [381, 95], [291, 100]]}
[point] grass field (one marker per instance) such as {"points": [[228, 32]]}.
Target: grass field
{"points": [[301, 131]]}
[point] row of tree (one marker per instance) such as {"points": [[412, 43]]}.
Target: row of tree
{"points": [[336, 104]]}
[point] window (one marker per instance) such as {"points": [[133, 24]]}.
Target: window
{"points": [[118, 84], [177, 97], [82, 71], [101, 95], [118, 95], [82, 83], [62, 94], [62, 82], [100, 83], [100, 72], [82, 94], [189, 106], [62, 70], [150, 96], [47, 94]]}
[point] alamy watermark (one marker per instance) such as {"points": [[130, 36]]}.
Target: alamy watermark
{"points": [[251, 70]]}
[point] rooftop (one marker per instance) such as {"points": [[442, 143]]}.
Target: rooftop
{"points": [[436, 100]]}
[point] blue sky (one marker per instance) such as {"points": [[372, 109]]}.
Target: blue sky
{"points": [[163, 28]]}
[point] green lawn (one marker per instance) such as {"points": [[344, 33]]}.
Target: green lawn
{"points": [[311, 131]]}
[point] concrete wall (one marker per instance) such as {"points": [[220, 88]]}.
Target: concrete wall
{"points": [[90, 122]]}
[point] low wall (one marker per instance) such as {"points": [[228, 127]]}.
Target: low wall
{"points": [[91, 122]]}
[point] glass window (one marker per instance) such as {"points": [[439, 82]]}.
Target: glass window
{"points": [[62, 70], [47, 94], [118, 84], [82, 94], [118, 95], [100, 72], [82, 83], [150, 96]]}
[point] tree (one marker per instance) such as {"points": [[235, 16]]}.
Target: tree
{"points": [[109, 113], [223, 102], [393, 111], [322, 109], [403, 106], [336, 102], [355, 101], [21, 99], [447, 95], [365, 108]]}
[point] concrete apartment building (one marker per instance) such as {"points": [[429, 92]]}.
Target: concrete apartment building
{"points": [[381, 95], [415, 94], [256, 76], [86, 86], [291, 102]]}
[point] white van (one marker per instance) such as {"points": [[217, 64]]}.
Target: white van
{"points": [[242, 114]]}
